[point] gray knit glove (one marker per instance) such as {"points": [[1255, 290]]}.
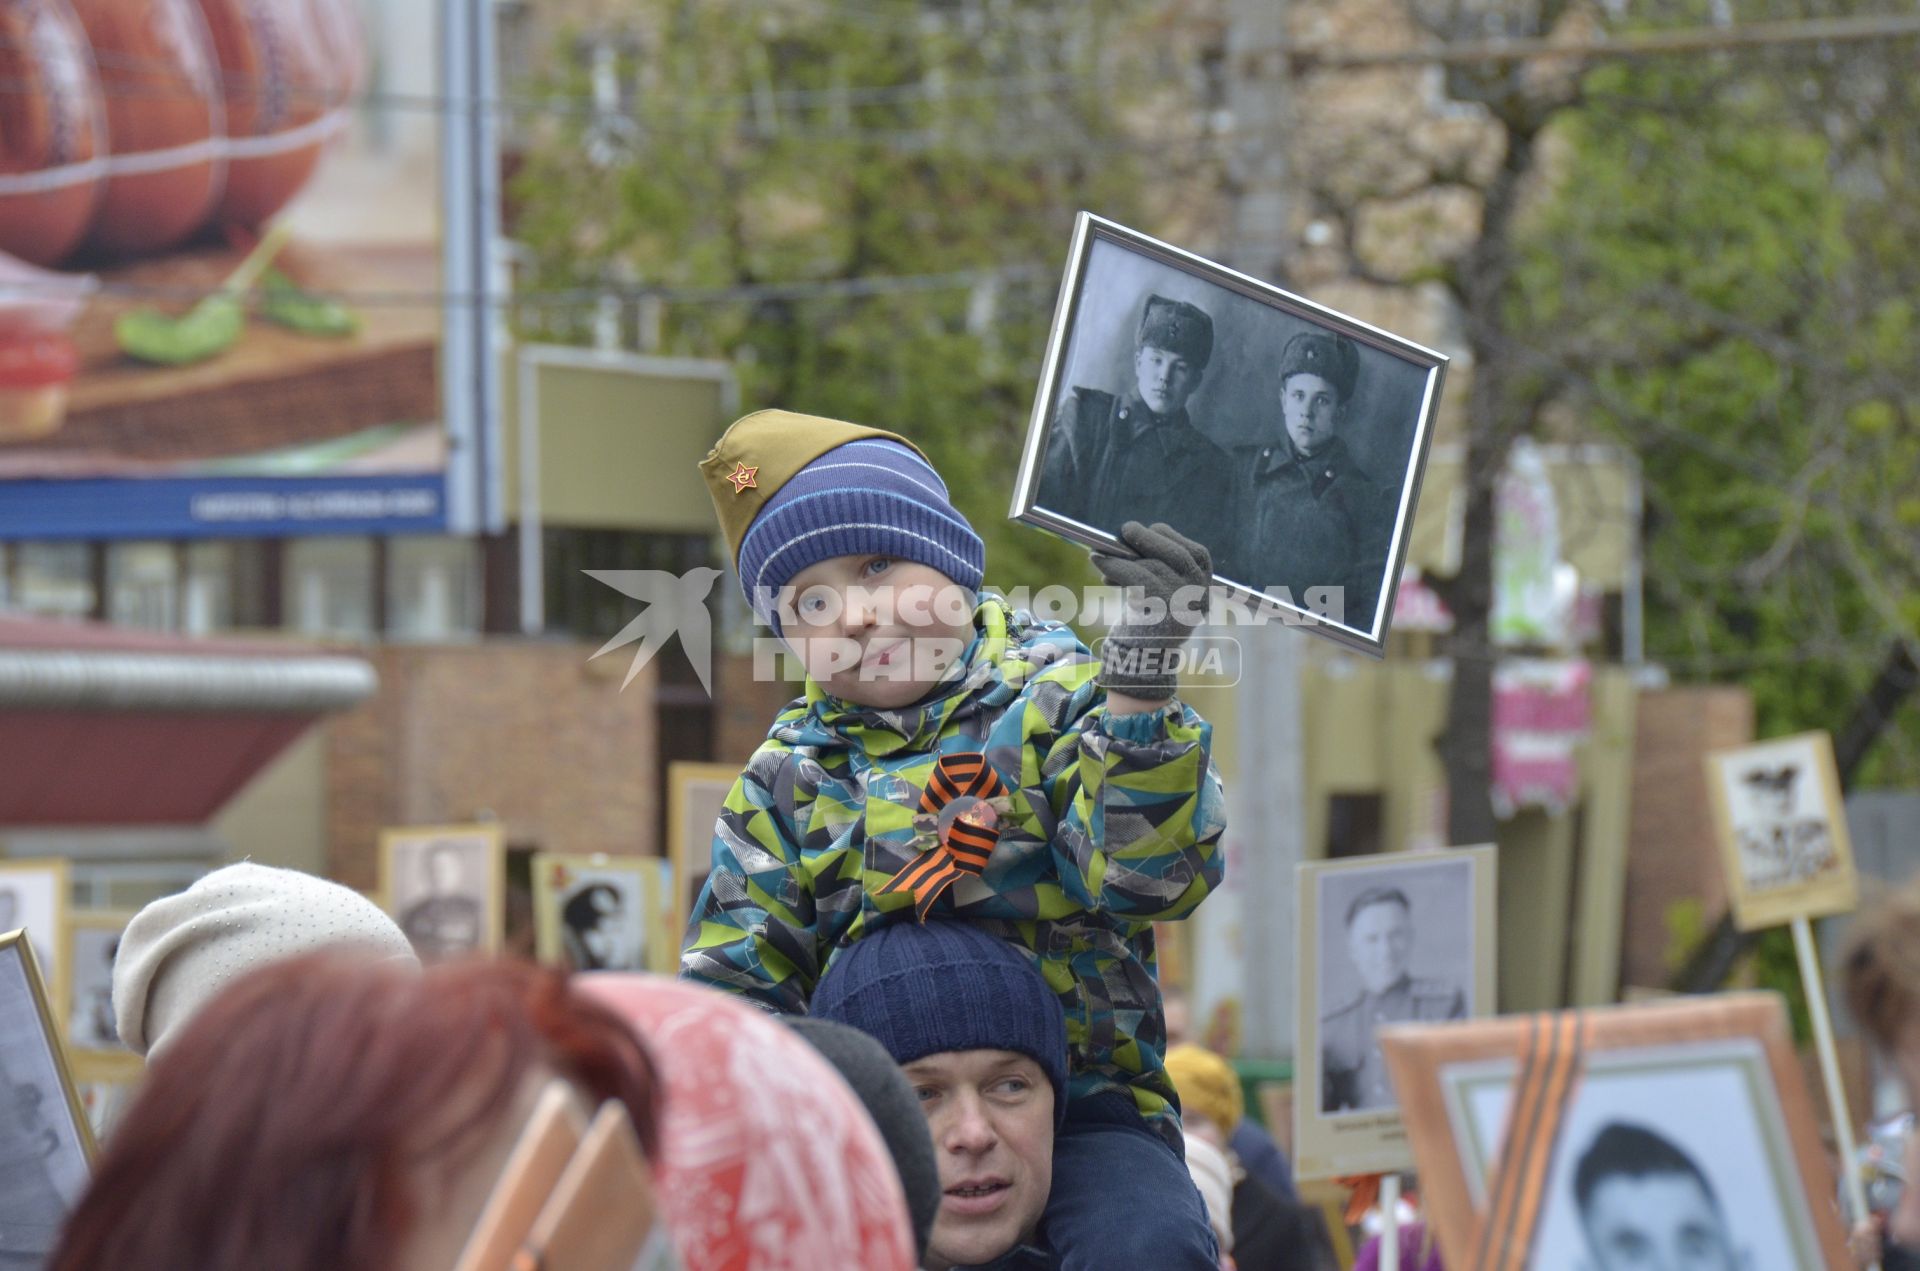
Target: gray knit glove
{"points": [[1173, 576]]}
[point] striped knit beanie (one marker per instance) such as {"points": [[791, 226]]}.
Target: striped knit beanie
{"points": [[924, 989], [793, 490]]}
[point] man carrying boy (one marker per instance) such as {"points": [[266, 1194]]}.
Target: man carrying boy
{"points": [[952, 758]]}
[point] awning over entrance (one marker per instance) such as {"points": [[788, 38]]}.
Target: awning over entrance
{"points": [[104, 726]]}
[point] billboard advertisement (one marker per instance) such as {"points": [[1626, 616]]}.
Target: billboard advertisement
{"points": [[226, 271]]}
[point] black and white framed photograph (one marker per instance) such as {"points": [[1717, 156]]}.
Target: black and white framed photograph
{"points": [[1669, 1128], [1403, 937], [1783, 830], [34, 895], [46, 1144], [93, 942], [1288, 438], [604, 913], [446, 887]]}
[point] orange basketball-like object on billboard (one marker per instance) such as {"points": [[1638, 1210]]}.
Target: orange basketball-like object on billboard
{"points": [[281, 106], [164, 122], [52, 131]]}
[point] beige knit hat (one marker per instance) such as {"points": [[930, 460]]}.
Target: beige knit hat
{"points": [[180, 951], [1213, 1175]]}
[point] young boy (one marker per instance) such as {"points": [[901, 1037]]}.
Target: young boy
{"points": [[953, 757]]}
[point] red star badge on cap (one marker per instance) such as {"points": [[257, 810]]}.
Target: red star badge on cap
{"points": [[742, 478]]}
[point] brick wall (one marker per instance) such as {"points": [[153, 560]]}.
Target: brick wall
{"points": [[1672, 854], [744, 707], [529, 733]]}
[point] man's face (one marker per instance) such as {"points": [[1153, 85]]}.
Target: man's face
{"points": [[1380, 942], [1657, 1222], [877, 630], [1313, 411], [991, 1116], [1166, 379]]}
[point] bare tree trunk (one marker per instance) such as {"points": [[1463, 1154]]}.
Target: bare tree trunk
{"points": [[1495, 418]]}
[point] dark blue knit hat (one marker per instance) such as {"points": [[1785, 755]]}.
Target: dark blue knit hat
{"points": [[920, 990], [867, 497]]}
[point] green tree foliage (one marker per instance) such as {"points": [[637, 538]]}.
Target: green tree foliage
{"points": [[1724, 279], [889, 139]]}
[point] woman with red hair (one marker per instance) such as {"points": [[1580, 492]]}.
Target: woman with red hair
{"points": [[332, 1112]]}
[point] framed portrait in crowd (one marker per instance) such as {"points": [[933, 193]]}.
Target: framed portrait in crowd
{"points": [[1576, 1138], [696, 792], [604, 913], [1288, 438], [34, 894], [93, 1039], [446, 887], [1783, 830], [1381, 940], [46, 1143]]}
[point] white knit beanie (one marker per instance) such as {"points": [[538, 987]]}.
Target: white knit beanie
{"points": [[1213, 1175], [180, 951]]}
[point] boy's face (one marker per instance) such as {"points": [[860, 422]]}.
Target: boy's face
{"points": [[1312, 409], [1657, 1222], [877, 630], [990, 1113]]}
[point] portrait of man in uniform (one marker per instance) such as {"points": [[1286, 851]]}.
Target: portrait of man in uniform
{"points": [[1132, 453], [1380, 944], [1312, 516], [445, 889], [1175, 389]]}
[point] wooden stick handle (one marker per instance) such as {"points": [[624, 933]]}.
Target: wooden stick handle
{"points": [[1830, 1069]]}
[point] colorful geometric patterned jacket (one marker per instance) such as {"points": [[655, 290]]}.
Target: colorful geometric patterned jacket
{"points": [[1109, 824]]}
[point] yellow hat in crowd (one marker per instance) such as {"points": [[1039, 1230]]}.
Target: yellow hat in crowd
{"points": [[1207, 1085]]}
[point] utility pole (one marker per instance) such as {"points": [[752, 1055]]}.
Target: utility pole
{"points": [[1266, 801]]}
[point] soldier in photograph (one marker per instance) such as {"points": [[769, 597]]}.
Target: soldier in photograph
{"points": [[1312, 516], [1353, 1075], [1136, 455]]}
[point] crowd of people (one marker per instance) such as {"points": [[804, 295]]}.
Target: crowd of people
{"points": [[917, 1022]]}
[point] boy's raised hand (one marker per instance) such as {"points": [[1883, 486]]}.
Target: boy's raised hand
{"points": [[1168, 582]]}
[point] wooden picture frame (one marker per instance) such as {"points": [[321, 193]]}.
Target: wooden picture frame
{"points": [[446, 886], [1441, 906], [46, 1138], [631, 931], [93, 1038], [1782, 826], [41, 888], [1094, 387], [1714, 1081], [696, 793]]}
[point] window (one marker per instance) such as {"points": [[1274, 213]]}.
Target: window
{"points": [[328, 587], [141, 587], [54, 579], [206, 594], [433, 588]]}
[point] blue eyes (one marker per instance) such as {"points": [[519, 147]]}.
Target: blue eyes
{"points": [[878, 565]]}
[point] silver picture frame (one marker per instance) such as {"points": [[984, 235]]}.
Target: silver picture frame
{"points": [[1117, 282]]}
